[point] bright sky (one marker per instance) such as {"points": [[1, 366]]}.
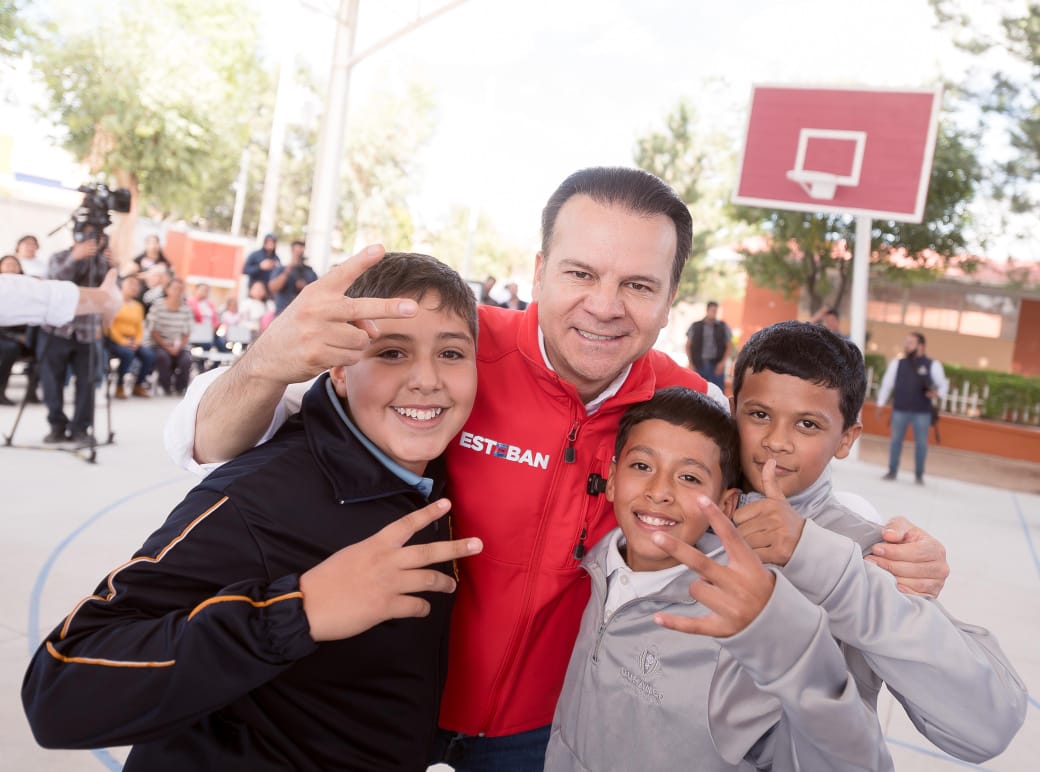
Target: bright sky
{"points": [[531, 91]]}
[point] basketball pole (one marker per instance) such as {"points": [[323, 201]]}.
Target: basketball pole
{"points": [[860, 279]]}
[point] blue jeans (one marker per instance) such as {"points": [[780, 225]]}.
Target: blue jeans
{"points": [[524, 752], [921, 423], [706, 370], [126, 356]]}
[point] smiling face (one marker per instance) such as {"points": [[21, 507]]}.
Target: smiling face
{"points": [[414, 386], [604, 290], [795, 422], [654, 484]]}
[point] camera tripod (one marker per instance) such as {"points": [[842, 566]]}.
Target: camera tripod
{"points": [[86, 452]]}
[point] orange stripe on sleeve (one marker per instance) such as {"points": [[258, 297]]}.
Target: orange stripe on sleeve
{"points": [[162, 553], [243, 598], [105, 662]]}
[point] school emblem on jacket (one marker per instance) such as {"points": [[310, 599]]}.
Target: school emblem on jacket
{"points": [[649, 662], [649, 665]]}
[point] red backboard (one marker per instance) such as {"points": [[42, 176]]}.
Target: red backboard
{"points": [[840, 150]]}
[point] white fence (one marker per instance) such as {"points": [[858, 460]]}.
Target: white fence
{"points": [[967, 402]]}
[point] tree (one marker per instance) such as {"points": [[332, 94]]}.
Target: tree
{"points": [[699, 166], [152, 94], [1005, 86], [812, 252]]}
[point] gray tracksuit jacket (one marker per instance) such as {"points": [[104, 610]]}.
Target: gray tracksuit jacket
{"points": [[777, 695], [952, 678]]}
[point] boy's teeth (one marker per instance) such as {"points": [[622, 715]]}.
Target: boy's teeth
{"points": [[650, 520], [419, 415]]}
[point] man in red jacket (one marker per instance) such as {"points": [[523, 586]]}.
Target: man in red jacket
{"points": [[526, 471]]}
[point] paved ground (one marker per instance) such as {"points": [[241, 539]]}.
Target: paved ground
{"points": [[65, 523]]}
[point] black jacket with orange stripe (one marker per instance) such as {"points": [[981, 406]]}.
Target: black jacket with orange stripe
{"points": [[197, 650]]}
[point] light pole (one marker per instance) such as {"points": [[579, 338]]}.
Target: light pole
{"points": [[328, 162]]}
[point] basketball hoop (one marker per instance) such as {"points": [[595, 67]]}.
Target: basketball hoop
{"points": [[821, 184]]}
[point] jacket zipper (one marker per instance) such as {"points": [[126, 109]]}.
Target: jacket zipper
{"points": [[523, 619]]}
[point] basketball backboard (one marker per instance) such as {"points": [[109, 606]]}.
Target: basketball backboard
{"points": [[843, 150]]}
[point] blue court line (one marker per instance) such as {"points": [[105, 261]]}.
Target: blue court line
{"points": [[102, 755], [1025, 530], [936, 754]]}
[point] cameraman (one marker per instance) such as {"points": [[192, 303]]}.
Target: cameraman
{"points": [[73, 344], [286, 282]]}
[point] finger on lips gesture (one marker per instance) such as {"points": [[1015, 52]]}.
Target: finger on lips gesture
{"points": [[375, 580], [736, 592], [770, 525]]}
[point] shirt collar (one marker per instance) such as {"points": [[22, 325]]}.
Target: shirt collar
{"points": [[422, 484], [597, 402]]}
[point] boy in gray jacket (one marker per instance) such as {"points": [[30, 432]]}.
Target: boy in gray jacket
{"points": [[797, 392], [763, 684]]}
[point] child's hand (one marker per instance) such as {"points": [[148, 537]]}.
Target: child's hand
{"points": [[736, 592], [370, 582], [914, 556], [770, 526]]}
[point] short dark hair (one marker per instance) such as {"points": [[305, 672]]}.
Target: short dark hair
{"points": [[711, 304], [919, 336], [298, 243], [634, 189], [23, 239], [411, 275], [810, 352], [694, 411]]}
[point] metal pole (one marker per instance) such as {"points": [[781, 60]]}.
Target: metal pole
{"points": [[240, 194], [860, 280], [324, 191], [272, 178]]}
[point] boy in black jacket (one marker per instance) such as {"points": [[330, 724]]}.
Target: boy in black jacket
{"points": [[278, 620]]}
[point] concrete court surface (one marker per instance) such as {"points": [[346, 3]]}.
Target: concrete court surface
{"points": [[65, 523]]}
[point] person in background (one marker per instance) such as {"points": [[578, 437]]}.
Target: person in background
{"points": [[74, 345], [485, 292], [152, 255], [26, 251], [156, 280], [169, 325], [514, 301], [287, 281], [261, 263], [708, 344], [914, 380], [125, 340]]}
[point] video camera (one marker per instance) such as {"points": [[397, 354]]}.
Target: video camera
{"points": [[92, 216], [89, 221]]}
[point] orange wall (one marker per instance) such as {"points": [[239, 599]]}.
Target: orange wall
{"points": [[763, 307], [191, 254], [1026, 356]]}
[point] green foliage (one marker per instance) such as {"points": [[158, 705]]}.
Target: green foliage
{"points": [[1005, 86], [812, 252], [158, 94], [1010, 396], [492, 254], [699, 165]]}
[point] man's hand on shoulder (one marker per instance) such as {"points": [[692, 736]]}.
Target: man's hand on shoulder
{"points": [[915, 557]]}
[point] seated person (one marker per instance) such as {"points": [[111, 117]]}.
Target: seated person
{"points": [[125, 339], [286, 616], [798, 389], [169, 325], [761, 684]]}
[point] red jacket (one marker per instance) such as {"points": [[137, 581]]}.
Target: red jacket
{"points": [[519, 472]]}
